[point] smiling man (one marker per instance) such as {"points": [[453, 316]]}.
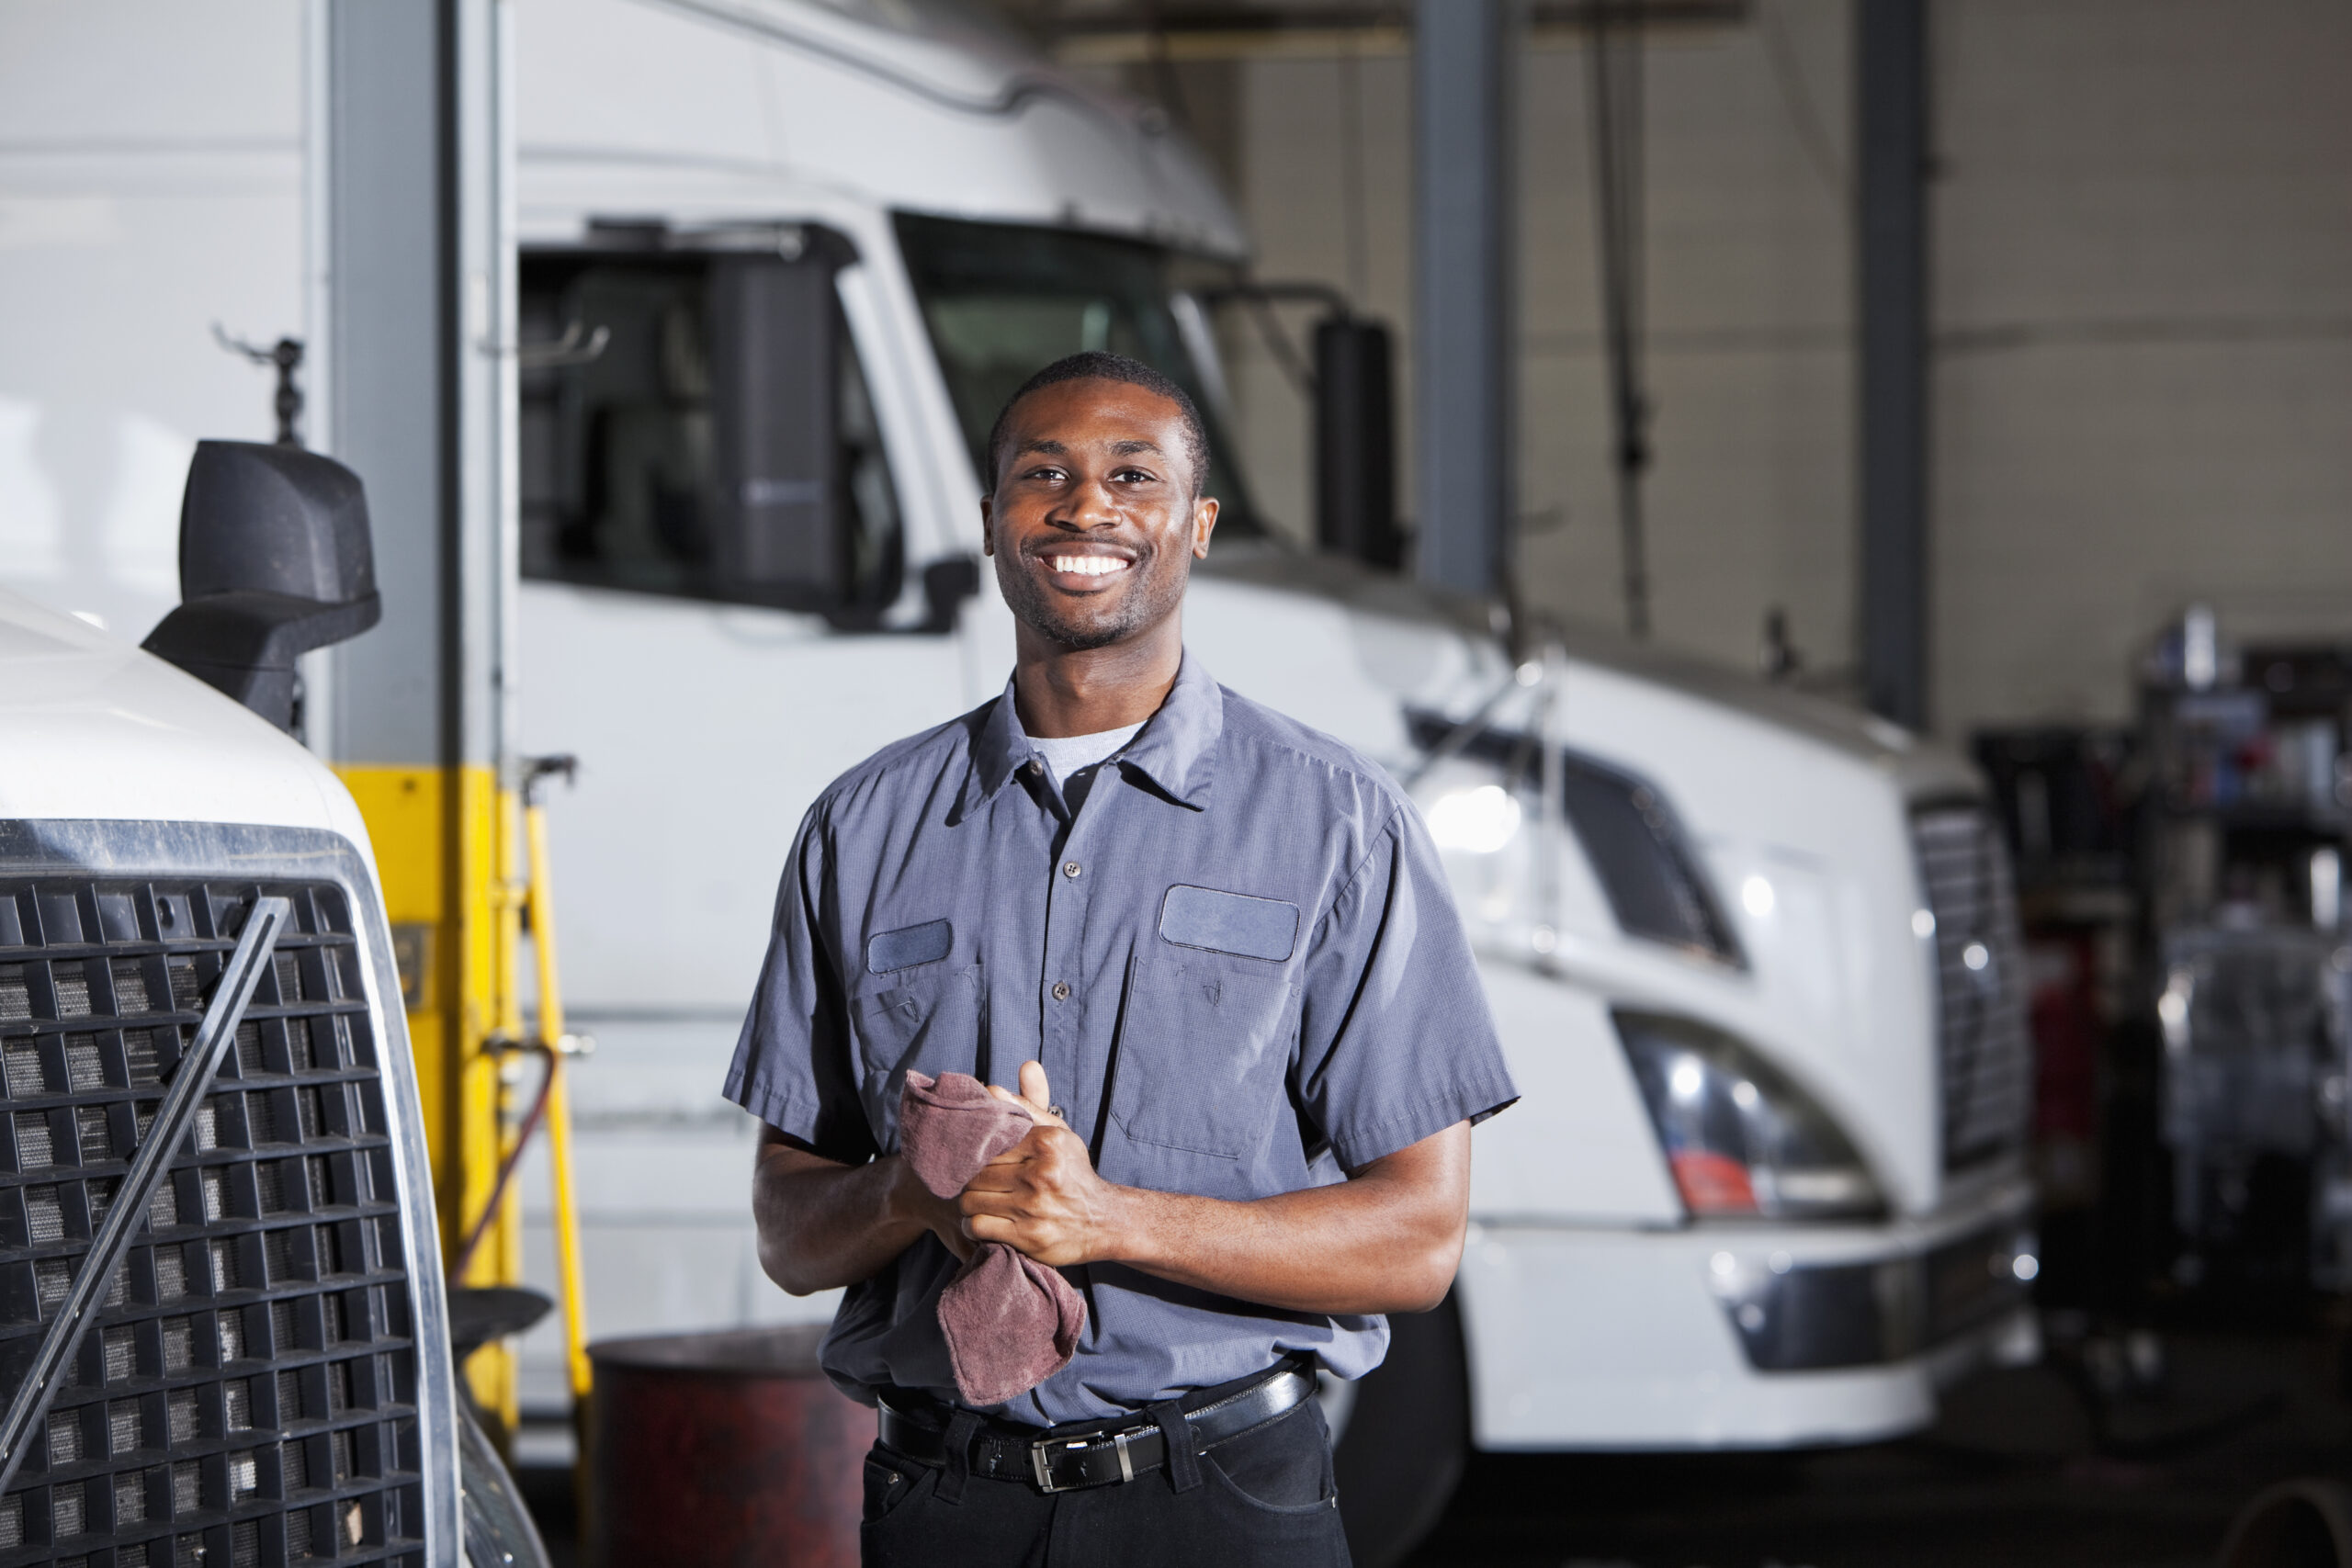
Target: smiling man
{"points": [[1212, 952]]}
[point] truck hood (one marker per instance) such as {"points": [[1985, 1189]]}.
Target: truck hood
{"points": [[95, 728], [1923, 770]]}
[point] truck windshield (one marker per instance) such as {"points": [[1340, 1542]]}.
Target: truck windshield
{"points": [[1004, 301]]}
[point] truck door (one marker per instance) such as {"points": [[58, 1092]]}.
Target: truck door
{"points": [[718, 618]]}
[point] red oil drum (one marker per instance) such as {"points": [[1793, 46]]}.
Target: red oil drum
{"points": [[723, 1450]]}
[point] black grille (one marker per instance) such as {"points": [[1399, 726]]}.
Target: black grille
{"points": [[246, 1398], [1983, 1049], [1855, 1314]]}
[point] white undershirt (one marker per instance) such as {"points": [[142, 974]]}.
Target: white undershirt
{"points": [[1073, 753]]}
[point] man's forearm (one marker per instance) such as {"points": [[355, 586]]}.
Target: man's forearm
{"points": [[1386, 1240], [1338, 1249], [824, 1225]]}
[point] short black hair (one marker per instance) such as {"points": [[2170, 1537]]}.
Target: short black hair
{"points": [[1096, 366]]}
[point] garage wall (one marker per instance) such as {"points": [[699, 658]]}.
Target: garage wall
{"points": [[2142, 298], [1749, 308], [2144, 301]]}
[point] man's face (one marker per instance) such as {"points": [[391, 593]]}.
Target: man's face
{"points": [[1092, 523]]}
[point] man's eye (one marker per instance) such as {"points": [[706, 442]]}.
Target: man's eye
{"points": [[1135, 476]]}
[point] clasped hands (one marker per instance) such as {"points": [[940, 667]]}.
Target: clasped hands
{"points": [[1041, 1197]]}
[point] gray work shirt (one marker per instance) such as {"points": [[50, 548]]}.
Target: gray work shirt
{"points": [[1237, 960]]}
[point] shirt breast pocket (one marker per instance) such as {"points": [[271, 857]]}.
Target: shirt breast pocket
{"points": [[1202, 1054], [929, 1022]]}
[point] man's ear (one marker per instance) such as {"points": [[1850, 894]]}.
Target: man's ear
{"points": [[988, 525], [1203, 524]]}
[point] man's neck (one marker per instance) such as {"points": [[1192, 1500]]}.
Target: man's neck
{"points": [[1062, 692]]}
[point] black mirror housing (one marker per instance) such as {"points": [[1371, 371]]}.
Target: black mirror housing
{"points": [[946, 586], [1356, 445], [275, 561]]}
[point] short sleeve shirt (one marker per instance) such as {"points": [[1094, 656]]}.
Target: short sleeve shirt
{"points": [[1236, 959]]}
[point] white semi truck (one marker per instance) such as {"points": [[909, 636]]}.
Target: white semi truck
{"points": [[257, 1367], [1753, 956]]}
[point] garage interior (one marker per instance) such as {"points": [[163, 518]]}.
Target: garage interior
{"points": [[1982, 367]]}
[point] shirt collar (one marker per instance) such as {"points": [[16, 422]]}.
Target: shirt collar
{"points": [[1176, 749]]}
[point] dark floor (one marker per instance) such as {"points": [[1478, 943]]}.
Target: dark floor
{"points": [[2018, 1471], [549, 1491], [2026, 1468]]}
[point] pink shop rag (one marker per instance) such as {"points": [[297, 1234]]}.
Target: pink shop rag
{"points": [[1011, 1322]]}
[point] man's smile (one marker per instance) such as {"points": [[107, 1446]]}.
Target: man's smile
{"points": [[1076, 568]]}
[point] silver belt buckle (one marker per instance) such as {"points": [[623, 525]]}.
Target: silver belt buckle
{"points": [[1043, 1470]]}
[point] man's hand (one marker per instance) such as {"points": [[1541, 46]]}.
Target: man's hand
{"points": [[1386, 1239], [909, 1199], [1042, 1197], [1036, 1095]]}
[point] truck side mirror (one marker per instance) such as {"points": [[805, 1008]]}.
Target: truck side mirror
{"points": [[1355, 447], [775, 448], [275, 561], [946, 586]]}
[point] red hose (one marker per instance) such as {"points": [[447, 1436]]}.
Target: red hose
{"points": [[506, 1171]]}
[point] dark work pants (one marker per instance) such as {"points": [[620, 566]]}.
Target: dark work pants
{"points": [[1264, 1498]]}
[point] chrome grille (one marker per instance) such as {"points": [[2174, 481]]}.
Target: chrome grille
{"points": [[248, 1393], [1983, 1051]]}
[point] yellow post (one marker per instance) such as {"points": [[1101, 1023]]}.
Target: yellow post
{"points": [[559, 1110], [445, 847]]}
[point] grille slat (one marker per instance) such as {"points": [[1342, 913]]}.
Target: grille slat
{"points": [[183, 1434], [1984, 1051]]}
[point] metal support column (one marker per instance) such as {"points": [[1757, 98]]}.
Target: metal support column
{"points": [[1890, 91], [1466, 374], [416, 299]]}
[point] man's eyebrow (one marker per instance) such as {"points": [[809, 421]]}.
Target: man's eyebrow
{"points": [[1046, 444], [1129, 448]]}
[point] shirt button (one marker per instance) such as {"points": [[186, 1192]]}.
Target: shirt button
{"points": [[1071, 869], [1061, 990]]}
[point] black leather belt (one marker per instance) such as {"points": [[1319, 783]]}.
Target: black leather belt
{"points": [[1067, 1462]]}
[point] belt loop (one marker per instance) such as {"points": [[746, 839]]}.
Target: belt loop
{"points": [[1176, 1433], [962, 1427]]}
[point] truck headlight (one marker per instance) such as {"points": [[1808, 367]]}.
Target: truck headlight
{"points": [[1478, 820], [1740, 1139]]}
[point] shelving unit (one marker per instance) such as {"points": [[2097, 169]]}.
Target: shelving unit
{"points": [[2242, 858]]}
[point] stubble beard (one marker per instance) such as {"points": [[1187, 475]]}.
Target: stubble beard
{"points": [[1145, 603]]}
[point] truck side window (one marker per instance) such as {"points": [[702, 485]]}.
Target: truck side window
{"points": [[721, 443]]}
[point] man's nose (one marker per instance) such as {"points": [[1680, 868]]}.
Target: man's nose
{"points": [[1088, 505]]}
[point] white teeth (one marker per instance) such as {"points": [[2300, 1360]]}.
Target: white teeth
{"points": [[1087, 566]]}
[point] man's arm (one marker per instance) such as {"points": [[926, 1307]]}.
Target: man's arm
{"points": [[1386, 1240], [823, 1224]]}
